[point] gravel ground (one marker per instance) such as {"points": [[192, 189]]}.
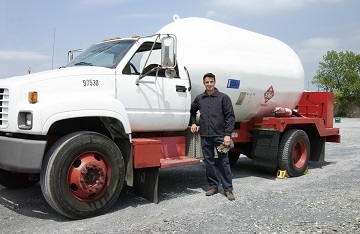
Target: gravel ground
{"points": [[326, 200]]}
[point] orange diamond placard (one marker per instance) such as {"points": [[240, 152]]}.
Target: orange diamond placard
{"points": [[269, 94]]}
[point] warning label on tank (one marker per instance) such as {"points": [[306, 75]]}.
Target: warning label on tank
{"points": [[269, 94], [233, 84]]}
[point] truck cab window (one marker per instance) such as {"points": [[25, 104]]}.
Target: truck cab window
{"points": [[106, 54]]}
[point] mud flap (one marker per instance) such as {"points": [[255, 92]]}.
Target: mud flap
{"points": [[265, 148], [317, 148], [146, 183]]}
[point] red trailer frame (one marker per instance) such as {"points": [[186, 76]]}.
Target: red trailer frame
{"points": [[305, 129]]}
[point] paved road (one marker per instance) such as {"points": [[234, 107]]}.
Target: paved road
{"points": [[327, 200]]}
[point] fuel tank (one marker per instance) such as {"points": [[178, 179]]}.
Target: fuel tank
{"points": [[258, 72]]}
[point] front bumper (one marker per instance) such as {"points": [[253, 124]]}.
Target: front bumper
{"points": [[21, 155]]}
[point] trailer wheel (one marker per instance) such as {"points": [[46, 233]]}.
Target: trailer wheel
{"points": [[17, 180], [294, 152], [82, 175]]}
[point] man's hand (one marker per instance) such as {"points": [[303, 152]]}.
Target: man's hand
{"points": [[227, 140], [194, 128]]}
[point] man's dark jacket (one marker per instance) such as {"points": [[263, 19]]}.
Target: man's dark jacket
{"points": [[216, 114]]}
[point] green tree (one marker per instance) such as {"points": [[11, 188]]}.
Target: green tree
{"points": [[340, 73]]}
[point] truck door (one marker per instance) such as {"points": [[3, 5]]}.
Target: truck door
{"points": [[159, 100]]}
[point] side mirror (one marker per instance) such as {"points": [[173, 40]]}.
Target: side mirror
{"points": [[71, 54], [168, 51]]}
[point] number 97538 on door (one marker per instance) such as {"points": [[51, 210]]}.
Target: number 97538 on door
{"points": [[91, 82]]}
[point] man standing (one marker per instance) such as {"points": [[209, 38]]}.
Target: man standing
{"points": [[217, 121]]}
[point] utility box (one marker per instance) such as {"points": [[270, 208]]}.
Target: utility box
{"points": [[146, 152]]}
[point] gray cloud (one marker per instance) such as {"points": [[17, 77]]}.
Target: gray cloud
{"points": [[22, 56], [210, 13], [321, 42]]}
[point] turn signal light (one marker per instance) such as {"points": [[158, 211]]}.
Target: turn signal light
{"points": [[33, 97]]}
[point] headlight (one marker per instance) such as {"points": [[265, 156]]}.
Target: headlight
{"points": [[25, 120]]}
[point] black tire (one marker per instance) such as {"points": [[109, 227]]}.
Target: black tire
{"points": [[233, 157], [294, 152], [17, 180], [82, 175]]}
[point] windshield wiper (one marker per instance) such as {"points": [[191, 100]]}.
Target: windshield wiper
{"points": [[83, 64]]}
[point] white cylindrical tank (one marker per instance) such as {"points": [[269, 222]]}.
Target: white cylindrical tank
{"points": [[258, 72]]}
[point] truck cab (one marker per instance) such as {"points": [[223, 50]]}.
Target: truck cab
{"points": [[134, 82]]}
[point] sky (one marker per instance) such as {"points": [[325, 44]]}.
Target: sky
{"points": [[36, 35]]}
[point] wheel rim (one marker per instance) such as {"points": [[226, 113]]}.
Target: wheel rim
{"points": [[300, 154], [89, 176]]}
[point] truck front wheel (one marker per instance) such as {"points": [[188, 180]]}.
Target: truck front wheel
{"points": [[82, 175], [294, 152]]}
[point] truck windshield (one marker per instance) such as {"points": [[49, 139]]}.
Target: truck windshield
{"points": [[107, 54]]}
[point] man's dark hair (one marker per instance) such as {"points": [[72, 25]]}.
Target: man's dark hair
{"points": [[209, 75]]}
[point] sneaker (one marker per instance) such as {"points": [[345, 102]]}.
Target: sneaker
{"points": [[229, 195], [211, 192]]}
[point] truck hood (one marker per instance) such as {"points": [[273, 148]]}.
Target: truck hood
{"points": [[54, 74]]}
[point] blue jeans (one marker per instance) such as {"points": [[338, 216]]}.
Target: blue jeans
{"points": [[208, 144]]}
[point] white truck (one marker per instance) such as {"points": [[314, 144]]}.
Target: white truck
{"points": [[120, 110]]}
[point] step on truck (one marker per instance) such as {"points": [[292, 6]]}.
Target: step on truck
{"points": [[119, 112]]}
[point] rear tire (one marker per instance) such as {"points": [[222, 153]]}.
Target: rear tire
{"points": [[82, 175], [294, 152]]}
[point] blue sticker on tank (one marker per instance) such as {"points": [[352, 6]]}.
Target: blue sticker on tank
{"points": [[233, 84]]}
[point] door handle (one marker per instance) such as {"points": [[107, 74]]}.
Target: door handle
{"points": [[180, 88]]}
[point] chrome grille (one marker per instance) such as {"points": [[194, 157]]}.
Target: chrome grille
{"points": [[4, 107]]}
